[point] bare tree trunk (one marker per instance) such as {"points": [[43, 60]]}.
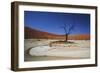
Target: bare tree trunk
{"points": [[66, 37]]}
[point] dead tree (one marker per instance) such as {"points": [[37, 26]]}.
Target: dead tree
{"points": [[67, 29]]}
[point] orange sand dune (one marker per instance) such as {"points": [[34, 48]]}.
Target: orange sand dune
{"points": [[36, 34]]}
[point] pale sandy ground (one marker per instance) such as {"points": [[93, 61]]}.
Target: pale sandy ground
{"points": [[40, 50]]}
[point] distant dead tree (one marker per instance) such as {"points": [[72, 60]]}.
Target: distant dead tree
{"points": [[67, 29]]}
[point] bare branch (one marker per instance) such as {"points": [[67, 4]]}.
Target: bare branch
{"points": [[70, 29], [67, 28]]}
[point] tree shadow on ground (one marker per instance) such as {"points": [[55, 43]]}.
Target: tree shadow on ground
{"points": [[61, 42]]}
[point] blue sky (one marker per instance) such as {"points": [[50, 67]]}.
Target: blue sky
{"points": [[52, 21]]}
